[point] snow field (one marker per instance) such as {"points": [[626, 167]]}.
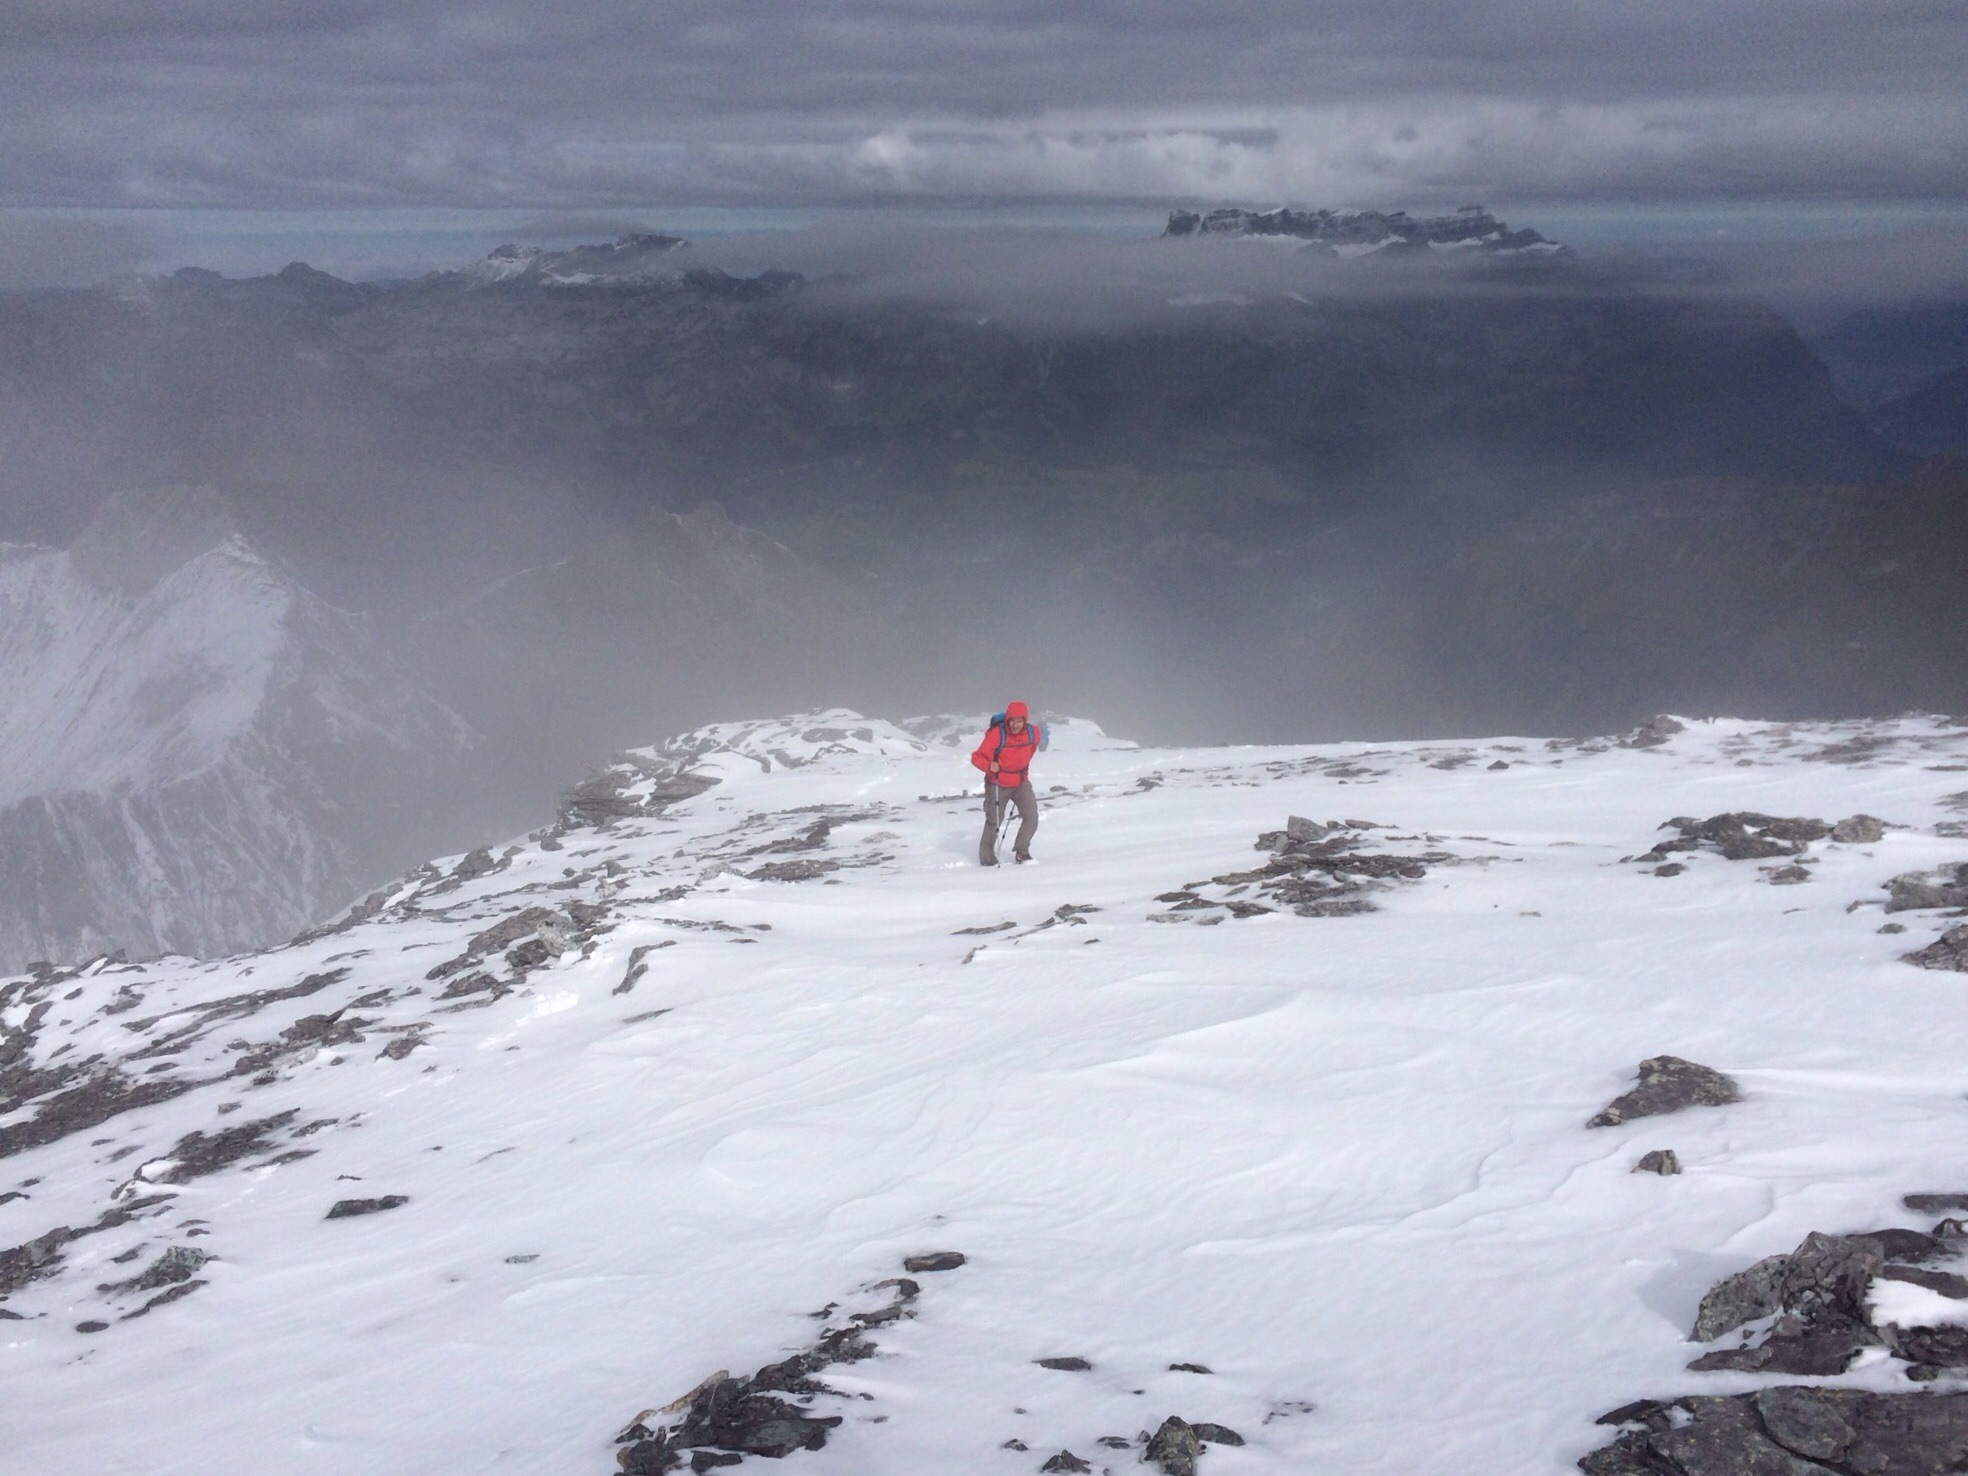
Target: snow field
{"points": [[1340, 1161]]}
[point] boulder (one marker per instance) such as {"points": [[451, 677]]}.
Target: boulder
{"points": [[1175, 1447], [1949, 951], [1788, 1430], [1668, 1084]]}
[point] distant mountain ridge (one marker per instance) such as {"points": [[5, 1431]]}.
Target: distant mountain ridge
{"points": [[196, 755], [1360, 232]]}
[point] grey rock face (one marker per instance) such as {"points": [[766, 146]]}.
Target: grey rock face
{"points": [[725, 1419], [1949, 951], [1065, 1460], [1817, 1300], [1658, 1161], [1913, 891], [1668, 1084], [1787, 1431], [1175, 1447], [1859, 830], [1740, 835], [349, 1209], [1935, 1204]]}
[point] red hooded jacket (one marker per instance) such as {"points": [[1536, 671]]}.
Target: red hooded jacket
{"points": [[1013, 752]]}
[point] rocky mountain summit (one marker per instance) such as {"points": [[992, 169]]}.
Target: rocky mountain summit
{"points": [[1363, 232]]}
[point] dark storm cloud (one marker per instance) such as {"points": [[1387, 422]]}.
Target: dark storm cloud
{"points": [[606, 103]]}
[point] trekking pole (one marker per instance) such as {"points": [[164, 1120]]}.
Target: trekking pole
{"points": [[1004, 817]]}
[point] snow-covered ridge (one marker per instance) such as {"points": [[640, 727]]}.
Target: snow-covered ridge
{"points": [[195, 753], [628, 258], [621, 1104]]}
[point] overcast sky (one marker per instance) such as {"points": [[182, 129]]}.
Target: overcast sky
{"points": [[606, 104]]}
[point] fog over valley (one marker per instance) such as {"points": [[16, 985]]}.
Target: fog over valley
{"points": [[1284, 476]]}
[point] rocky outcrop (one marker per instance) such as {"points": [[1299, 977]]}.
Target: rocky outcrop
{"points": [[1789, 1430], [1668, 1084], [768, 1413], [1811, 1312], [1316, 870], [1949, 951]]}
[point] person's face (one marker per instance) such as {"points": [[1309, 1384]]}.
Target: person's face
{"points": [[1017, 725]]}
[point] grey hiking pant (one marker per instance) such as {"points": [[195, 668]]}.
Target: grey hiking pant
{"points": [[995, 801]]}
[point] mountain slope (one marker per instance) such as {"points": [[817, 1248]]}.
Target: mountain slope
{"points": [[197, 756], [1290, 1139]]}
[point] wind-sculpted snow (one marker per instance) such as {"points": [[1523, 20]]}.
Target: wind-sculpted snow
{"points": [[545, 1135]]}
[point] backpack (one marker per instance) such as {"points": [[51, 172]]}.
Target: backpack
{"points": [[1038, 732]]}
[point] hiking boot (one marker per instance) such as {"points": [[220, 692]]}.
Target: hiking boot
{"points": [[1021, 857]]}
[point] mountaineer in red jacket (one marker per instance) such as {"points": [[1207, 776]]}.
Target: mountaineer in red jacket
{"points": [[1005, 756]]}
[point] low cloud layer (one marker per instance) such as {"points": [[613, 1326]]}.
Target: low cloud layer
{"points": [[603, 104]]}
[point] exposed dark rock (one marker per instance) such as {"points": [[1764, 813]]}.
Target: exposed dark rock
{"points": [[1790, 1430], [33, 1259], [1654, 732], [1788, 876], [631, 786], [1211, 1434], [41, 1256], [934, 1261], [1065, 1365], [1316, 870], [1943, 1282], [1948, 952], [1195, 1368], [1819, 1353], [165, 1298], [1929, 1347], [1740, 835], [1175, 1447], [1822, 1283], [1945, 886], [637, 968], [92, 1326], [406, 1041], [1935, 1204], [345, 1209], [792, 871], [178, 1264], [1658, 1161], [1859, 830], [1668, 1084], [197, 1154], [1067, 1461], [88, 1105], [746, 1416]]}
